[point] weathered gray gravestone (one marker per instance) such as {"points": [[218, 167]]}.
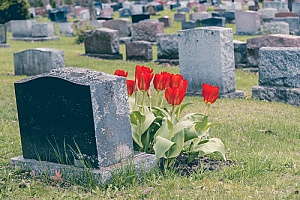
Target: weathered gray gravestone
{"points": [[121, 25], [3, 37], [276, 28], [180, 17], [240, 53], [147, 30], [45, 29], [37, 61], [167, 48], [267, 14], [102, 43], [279, 75], [197, 65], [276, 40], [293, 22], [22, 28], [66, 29], [74, 116], [139, 50], [247, 23]]}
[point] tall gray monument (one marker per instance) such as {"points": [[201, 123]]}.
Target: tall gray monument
{"points": [[206, 55]]}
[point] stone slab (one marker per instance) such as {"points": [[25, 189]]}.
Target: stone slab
{"points": [[279, 66], [101, 41], [167, 46], [278, 94], [293, 22], [174, 62], [196, 64], [36, 39], [72, 115], [276, 40], [37, 61], [4, 45], [105, 56], [139, 51], [140, 162]]}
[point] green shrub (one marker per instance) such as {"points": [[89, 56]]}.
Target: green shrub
{"points": [[13, 10], [79, 28]]}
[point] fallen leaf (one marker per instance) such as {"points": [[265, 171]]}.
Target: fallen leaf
{"points": [[57, 177]]}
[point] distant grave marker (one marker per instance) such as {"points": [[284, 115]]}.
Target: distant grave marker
{"points": [[37, 61]]}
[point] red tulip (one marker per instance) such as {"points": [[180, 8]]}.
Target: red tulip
{"points": [[140, 69], [143, 77], [175, 95], [144, 81], [167, 78], [130, 86], [121, 73], [210, 93], [184, 84], [176, 79], [160, 80]]}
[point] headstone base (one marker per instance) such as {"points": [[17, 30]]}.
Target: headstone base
{"points": [[233, 95], [248, 33], [106, 56], [169, 61], [125, 40], [279, 94], [4, 45], [35, 39], [141, 162]]}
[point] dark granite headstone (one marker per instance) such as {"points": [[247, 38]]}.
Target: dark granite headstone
{"points": [[2, 34], [71, 115], [214, 21], [188, 25], [139, 17], [124, 12], [57, 16], [173, 6]]}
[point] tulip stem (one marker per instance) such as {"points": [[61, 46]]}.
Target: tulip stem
{"points": [[143, 102], [150, 105], [206, 109], [172, 118], [135, 99], [157, 97], [162, 100]]}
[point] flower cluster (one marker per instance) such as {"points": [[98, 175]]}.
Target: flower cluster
{"points": [[174, 85], [161, 130]]}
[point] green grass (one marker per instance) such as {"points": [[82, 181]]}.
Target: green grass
{"points": [[266, 163]]}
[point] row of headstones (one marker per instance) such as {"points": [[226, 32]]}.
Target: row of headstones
{"points": [[193, 51]]}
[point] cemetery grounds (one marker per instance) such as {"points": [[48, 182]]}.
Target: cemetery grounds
{"points": [[261, 139]]}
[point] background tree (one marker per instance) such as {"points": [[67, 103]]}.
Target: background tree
{"points": [[13, 10]]}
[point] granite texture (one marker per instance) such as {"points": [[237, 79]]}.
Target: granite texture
{"points": [[276, 28], [276, 40], [147, 30], [121, 25], [196, 64], [278, 94], [279, 66], [3, 34], [22, 28], [73, 114], [247, 23], [139, 51], [240, 55], [140, 162], [292, 21], [267, 14], [101, 41], [167, 46]]}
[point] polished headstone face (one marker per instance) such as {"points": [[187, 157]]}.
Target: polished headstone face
{"points": [[54, 116], [2, 34], [70, 115]]}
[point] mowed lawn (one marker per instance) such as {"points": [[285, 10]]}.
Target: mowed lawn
{"points": [[262, 140]]}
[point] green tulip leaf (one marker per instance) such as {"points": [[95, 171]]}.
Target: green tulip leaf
{"points": [[135, 136], [149, 118], [212, 145], [163, 131], [177, 147], [180, 108], [181, 125], [163, 112], [131, 101], [161, 146], [190, 134]]}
